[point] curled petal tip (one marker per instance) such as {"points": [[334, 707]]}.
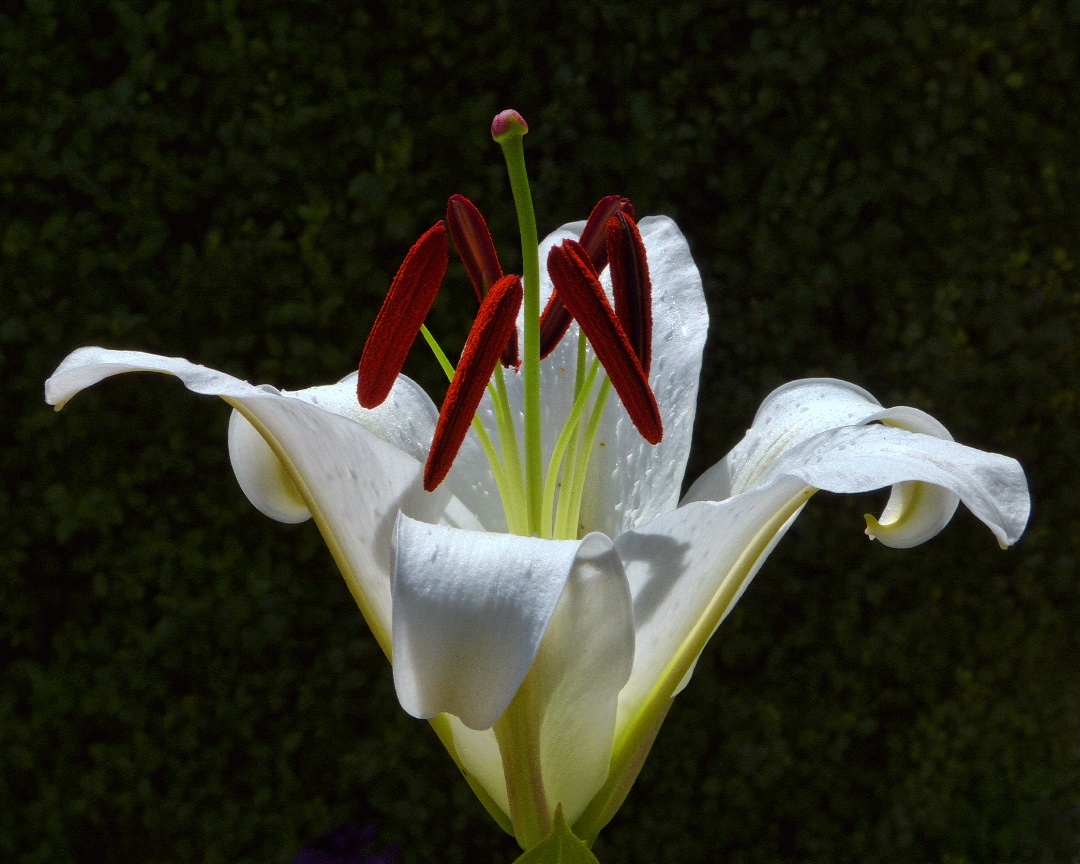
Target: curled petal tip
{"points": [[508, 124]]}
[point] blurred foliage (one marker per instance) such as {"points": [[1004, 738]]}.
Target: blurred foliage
{"points": [[880, 191]]}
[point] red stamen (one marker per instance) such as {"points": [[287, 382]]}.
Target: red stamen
{"points": [[403, 312], [631, 285], [592, 238], [555, 320], [576, 282], [473, 243], [494, 323]]}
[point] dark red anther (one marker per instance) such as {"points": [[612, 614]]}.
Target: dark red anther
{"points": [[631, 285], [473, 242], [555, 320], [494, 323], [575, 280], [593, 237], [403, 312]]}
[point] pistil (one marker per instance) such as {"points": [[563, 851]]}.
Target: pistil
{"points": [[507, 129]]}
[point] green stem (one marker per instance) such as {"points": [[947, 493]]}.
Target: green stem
{"points": [[514, 153]]}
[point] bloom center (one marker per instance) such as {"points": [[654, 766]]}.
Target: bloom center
{"points": [[538, 502]]}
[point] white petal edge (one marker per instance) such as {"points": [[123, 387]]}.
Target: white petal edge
{"points": [[795, 413], [583, 663], [470, 611], [864, 458], [353, 482], [688, 568]]}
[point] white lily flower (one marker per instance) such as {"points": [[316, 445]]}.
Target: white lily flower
{"points": [[604, 630], [547, 665]]}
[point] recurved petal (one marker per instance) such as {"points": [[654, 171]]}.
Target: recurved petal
{"points": [[788, 416], [799, 412], [406, 419], [863, 458], [687, 568], [353, 482]]}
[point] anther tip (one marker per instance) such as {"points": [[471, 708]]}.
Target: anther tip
{"points": [[508, 124]]}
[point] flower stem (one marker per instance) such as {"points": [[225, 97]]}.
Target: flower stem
{"points": [[514, 153]]}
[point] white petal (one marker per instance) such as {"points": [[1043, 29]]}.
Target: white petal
{"points": [[583, 663], [470, 611], [796, 413], [479, 754], [631, 481], [787, 417], [353, 482], [263, 477], [860, 459], [407, 420], [686, 569]]}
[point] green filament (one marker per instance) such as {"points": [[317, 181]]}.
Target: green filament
{"points": [[569, 430], [506, 492]]}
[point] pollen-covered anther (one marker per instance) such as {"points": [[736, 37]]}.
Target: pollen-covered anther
{"points": [[576, 281], [555, 320], [472, 239], [631, 285], [494, 323], [403, 312], [593, 238]]}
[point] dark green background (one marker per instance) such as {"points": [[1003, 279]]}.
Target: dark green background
{"points": [[884, 192]]}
